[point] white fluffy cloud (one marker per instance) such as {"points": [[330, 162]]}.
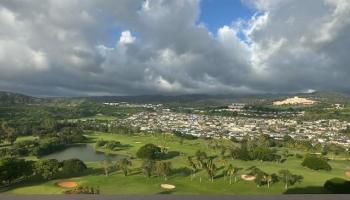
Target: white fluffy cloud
{"points": [[126, 38], [69, 47]]}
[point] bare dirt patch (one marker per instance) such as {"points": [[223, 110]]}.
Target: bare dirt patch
{"points": [[248, 177], [167, 186], [347, 173], [67, 184]]}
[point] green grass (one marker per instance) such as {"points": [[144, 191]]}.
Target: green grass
{"points": [[97, 117], [24, 138], [137, 183]]}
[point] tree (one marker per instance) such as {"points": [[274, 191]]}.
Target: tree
{"points": [[163, 169], [47, 169], [106, 164], [316, 163], [13, 168], [288, 178], [270, 178], [10, 132], [232, 172], [337, 186], [210, 168], [192, 165], [73, 166], [259, 178], [123, 165], [49, 124], [200, 161], [148, 167], [201, 156], [264, 140], [148, 152]]}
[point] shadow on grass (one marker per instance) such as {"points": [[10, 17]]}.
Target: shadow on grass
{"points": [[182, 171], [166, 192], [135, 173], [169, 155], [35, 180], [90, 140], [122, 147], [307, 190], [26, 183]]}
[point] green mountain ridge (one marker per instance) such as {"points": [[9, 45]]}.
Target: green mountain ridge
{"points": [[11, 98]]}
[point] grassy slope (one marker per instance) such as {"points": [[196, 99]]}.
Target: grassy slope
{"points": [[136, 183]]}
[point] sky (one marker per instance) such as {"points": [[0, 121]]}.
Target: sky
{"points": [[137, 47]]}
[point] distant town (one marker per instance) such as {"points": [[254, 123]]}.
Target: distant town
{"points": [[199, 125]]}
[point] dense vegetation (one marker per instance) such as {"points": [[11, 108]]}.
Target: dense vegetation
{"points": [[338, 186], [14, 170], [316, 163], [61, 136]]}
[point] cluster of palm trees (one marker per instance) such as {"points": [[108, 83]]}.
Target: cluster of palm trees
{"points": [[201, 161], [157, 168], [123, 164], [150, 167], [232, 171], [261, 177], [162, 169]]}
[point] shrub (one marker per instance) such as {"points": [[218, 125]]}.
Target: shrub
{"points": [[337, 186], [47, 169], [316, 163], [148, 152], [111, 145], [100, 143], [73, 166]]}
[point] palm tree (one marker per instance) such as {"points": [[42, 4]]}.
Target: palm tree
{"points": [[259, 175], [123, 165], [148, 167], [233, 171], [268, 179], [193, 166], [229, 172], [106, 164], [211, 168], [199, 166], [224, 164], [201, 156], [259, 178], [285, 176], [163, 169]]}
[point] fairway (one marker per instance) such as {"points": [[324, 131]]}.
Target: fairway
{"points": [[137, 183]]}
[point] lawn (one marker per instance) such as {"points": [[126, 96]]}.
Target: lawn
{"points": [[137, 183]]}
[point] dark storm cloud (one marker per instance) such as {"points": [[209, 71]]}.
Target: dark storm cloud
{"points": [[63, 47]]}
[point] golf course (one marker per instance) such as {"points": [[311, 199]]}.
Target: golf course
{"points": [[181, 179]]}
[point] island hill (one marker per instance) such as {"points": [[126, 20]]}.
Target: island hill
{"points": [[43, 144]]}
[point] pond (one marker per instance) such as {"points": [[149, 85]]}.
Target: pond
{"points": [[83, 152]]}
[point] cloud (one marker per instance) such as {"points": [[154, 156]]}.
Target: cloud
{"points": [[126, 38], [129, 47]]}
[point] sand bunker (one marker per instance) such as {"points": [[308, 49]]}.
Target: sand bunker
{"points": [[67, 184], [248, 177], [138, 142], [347, 173], [167, 186]]}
